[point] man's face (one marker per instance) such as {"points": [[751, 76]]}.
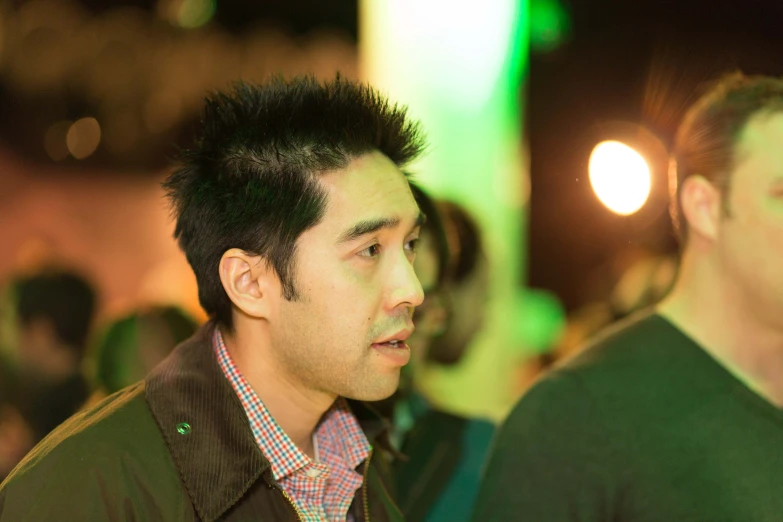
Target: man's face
{"points": [[750, 242], [356, 285]]}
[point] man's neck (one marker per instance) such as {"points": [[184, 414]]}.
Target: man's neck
{"points": [[297, 409], [711, 310]]}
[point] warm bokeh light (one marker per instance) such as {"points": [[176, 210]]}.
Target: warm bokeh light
{"points": [[189, 14], [620, 177], [195, 13], [54, 140], [143, 79], [83, 137]]}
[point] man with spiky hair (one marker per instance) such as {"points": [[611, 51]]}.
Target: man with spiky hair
{"points": [[300, 226]]}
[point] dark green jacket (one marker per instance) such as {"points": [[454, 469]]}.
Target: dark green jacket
{"points": [[127, 460]]}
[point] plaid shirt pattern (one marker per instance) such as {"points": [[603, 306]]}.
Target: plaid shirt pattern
{"points": [[323, 490]]}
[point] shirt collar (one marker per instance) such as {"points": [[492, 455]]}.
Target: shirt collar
{"points": [[285, 457]]}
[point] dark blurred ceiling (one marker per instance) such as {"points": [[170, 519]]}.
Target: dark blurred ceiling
{"points": [[294, 16], [141, 74]]}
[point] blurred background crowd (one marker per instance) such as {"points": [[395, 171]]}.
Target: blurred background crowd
{"points": [[546, 181]]}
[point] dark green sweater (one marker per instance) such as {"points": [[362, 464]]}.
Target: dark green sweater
{"points": [[643, 426]]}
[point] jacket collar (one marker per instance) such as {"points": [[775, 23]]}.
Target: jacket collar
{"points": [[204, 426], [376, 427], [206, 429]]}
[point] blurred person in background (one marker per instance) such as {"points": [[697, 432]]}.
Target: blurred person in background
{"points": [[468, 288], [439, 478], [132, 345], [48, 318], [301, 229], [677, 413]]}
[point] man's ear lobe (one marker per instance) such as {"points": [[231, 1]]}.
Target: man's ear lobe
{"points": [[701, 205], [250, 282]]}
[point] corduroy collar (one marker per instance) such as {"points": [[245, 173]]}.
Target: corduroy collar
{"points": [[206, 429]]}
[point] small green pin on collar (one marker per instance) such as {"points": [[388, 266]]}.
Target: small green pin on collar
{"points": [[183, 428]]}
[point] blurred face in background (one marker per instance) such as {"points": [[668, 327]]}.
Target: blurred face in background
{"points": [[429, 317], [469, 300], [33, 349], [41, 355]]}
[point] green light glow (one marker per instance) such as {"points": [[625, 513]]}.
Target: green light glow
{"points": [[195, 13], [462, 51], [549, 25], [459, 67]]}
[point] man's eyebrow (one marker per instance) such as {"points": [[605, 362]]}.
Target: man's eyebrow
{"points": [[362, 228]]}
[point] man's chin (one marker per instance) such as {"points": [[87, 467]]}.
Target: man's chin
{"points": [[377, 391]]}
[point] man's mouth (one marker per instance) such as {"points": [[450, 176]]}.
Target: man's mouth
{"points": [[395, 340], [394, 343], [395, 351]]}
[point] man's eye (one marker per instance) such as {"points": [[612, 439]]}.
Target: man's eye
{"points": [[413, 244], [371, 251]]}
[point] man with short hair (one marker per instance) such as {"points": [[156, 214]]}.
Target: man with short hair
{"points": [[301, 228], [676, 414]]}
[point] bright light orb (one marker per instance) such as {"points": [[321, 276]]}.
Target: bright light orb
{"points": [[620, 177]]}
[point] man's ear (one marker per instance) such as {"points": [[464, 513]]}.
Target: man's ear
{"points": [[702, 205], [250, 282]]}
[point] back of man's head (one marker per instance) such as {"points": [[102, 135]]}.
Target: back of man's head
{"points": [[133, 344], [63, 299], [468, 285], [706, 141], [464, 241], [434, 227], [250, 181]]}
